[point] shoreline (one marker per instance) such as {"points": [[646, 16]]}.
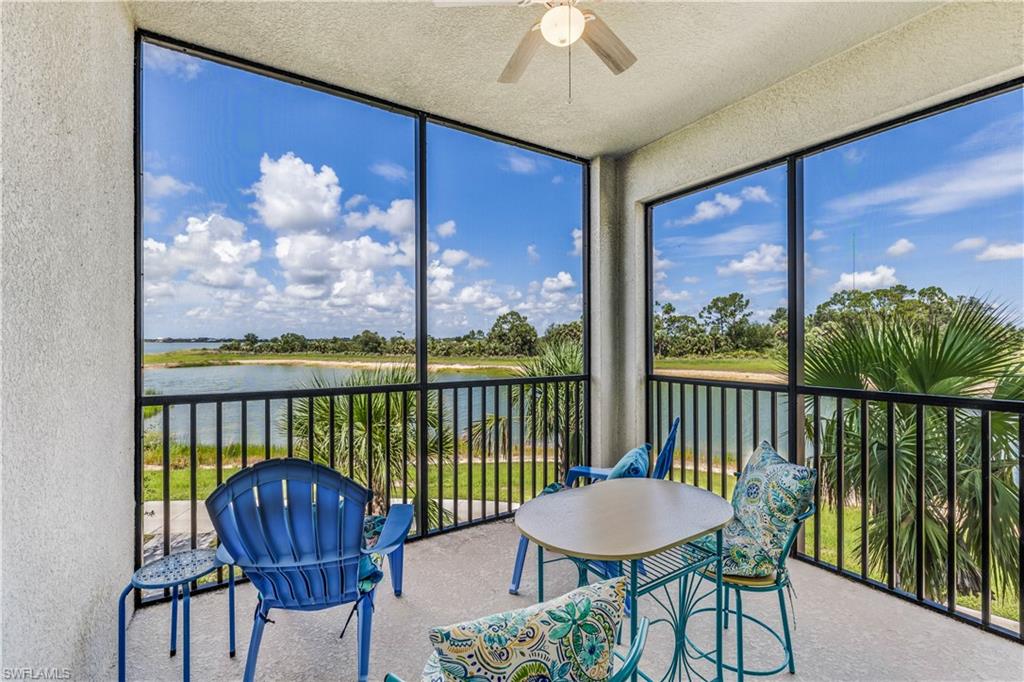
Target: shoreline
{"points": [[345, 364]]}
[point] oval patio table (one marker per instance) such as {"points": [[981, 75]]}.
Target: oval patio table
{"points": [[628, 520]]}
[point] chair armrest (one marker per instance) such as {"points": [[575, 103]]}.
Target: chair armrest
{"points": [[592, 473], [396, 528], [632, 658], [391, 678], [224, 556]]}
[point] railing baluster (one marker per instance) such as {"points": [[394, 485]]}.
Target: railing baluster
{"points": [[440, 458], [497, 452], [919, 548], [352, 441], [369, 447], [456, 436], [671, 416], [708, 435], [864, 500], [330, 431], [544, 400], [840, 484], [890, 498], [166, 447], [559, 474], [508, 448], [986, 517], [756, 415], [951, 511], [579, 433], [193, 464], [724, 437], [387, 451], [739, 430], [311, 428], [405, 447], [816, 415], [695, 451], [567, 436], [266, 429], [533, 436], [1020, 526], [522, 440], [469, 447], [291, 443], [774, 397], [244, 426], [657, 417], [219, 435], [483, 452]]}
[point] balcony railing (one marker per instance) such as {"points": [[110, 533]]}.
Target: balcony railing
{"points": [[917, 495], [485, 447]]}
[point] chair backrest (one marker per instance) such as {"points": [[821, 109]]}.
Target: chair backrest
{"points": [[295, 528], [663, 464]]}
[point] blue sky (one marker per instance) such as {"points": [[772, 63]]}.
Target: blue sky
{"points": [[269, 208], [936, 202]]}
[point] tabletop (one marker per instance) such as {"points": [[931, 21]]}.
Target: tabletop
{"points": [[622, 519]]}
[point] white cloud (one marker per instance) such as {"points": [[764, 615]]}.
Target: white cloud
{"points": [[817, 235], [666, 294], [765, 258], [159, 186], [151, 214], [354, 201], [722, 205], [901, 247], [518, 163], [970, 244], [726, 243], [560, 282], [446, 229], [214, 253], [756, 193], [1002, 252], [482, 298], [691, 279], [557, 180], [171, 62], [531, 253], [879, 278], [398, 219], [454, 257], [440, 281], [943, 190], [577, 242], [389, 170], [291, 196], [853, 155]]}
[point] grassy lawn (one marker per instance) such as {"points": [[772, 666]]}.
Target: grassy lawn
{"points": [[764, 365]]}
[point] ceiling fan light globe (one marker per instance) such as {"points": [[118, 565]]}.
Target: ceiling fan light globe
{"points": [[562, 25]]}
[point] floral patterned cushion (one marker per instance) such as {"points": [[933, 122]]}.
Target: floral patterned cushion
{"points": [[768, 497], [370, 572], [567, 639], [741, 555], [633, 464]]}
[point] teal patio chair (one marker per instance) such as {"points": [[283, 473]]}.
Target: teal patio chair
{"points": [[298, 531], [772, 499], [568, 639], [634, 464]]}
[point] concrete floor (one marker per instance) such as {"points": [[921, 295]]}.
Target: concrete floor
{"points": [[843, 631]]}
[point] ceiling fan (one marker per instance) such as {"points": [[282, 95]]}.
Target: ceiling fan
{"points": [[561, 25]]}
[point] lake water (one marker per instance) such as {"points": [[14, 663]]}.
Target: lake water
{"points": [[167, 347]]}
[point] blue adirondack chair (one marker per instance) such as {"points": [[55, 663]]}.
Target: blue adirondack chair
{"points": [[296, 529], [662, 465]]}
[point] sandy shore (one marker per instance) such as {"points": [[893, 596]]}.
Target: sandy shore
{"points": [[347, 364], [724, 375]]}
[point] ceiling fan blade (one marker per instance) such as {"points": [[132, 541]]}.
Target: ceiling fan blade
{"points": [[606, 45], [521, 57]]}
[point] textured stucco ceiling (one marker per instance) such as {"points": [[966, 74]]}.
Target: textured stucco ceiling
{"points": [[694, 58]]}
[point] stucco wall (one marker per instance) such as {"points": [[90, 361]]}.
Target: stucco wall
{"points": [[66, 353], [950, 51]]}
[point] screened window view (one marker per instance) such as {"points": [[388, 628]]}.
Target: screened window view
{"points": [[719, 281]]}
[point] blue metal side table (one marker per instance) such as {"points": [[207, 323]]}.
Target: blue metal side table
{"points": [[175, 572]]}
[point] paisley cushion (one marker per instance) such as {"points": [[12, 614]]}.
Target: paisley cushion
{"points": [[768, 497], [633, 464], [568, 639], [370, 572], [741, 554]]}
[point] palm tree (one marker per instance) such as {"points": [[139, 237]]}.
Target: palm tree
{"points": [[558, 358], [975, 352], [371, 442]]}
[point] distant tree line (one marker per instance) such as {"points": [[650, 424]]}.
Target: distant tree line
{"points": [[724, 325], [510, 335]]}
